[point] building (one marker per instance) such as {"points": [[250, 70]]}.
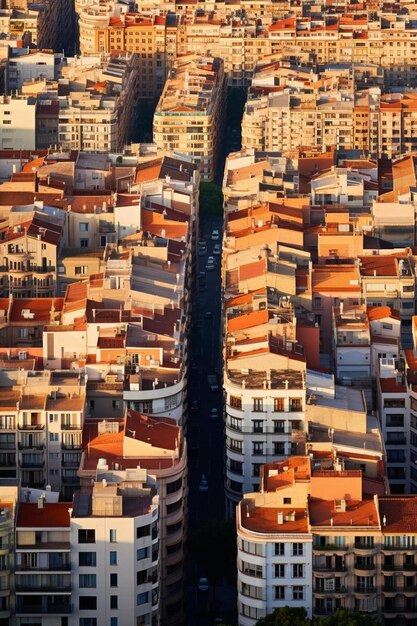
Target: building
{"points": [[115, 548], [156, 444], [320, 539], [188, 118]]}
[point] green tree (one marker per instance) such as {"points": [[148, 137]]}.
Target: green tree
{"points": [[285, 616], [343, 617], [211, 199]]}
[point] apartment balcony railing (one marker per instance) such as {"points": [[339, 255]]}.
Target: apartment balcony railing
{"points": [[361, 589], [23, 445], [329, 568], [36, 426], [330, 547], [70, 446], [71, 427], [32, 464], [52, 567], [331, 592], [48, 609]]}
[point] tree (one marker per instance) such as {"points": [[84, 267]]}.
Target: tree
{"points": [[285, 616], [343, 617], [211, 199]]}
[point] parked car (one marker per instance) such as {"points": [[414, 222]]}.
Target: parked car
{"points": [[203, 584], [194, 406], [202, 250], [210, 264], [208, 315], [214, 414], [217, 249], [215, 235], [203, 486]]}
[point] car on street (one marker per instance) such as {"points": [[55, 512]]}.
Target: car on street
{"points": [[203, 486], [215, 235], [210, 264], [203, 584], [194, 406], [208, 315], [217, 249], [214, 414], [202, 250]]}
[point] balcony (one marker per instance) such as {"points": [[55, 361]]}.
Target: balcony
{"points": [[32, 465], [364, 567], [329, 568], [23, 445], [390, 548], [399, 441], [71, 427], [368, 548], [330, 547], [365, 590], [44, 607], [391, 567], [75, 463], [35, 426], [52, 567], [71, 480], [70, 446], [39, 588], [330, 592]]}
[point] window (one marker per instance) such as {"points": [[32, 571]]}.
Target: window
{"points": [[279, 549], [258, 404], [88, 621], [142, 553], [235, 402], [53, 437], [113, 557], [298, 593], [81, 269], [142, 598], [297, 570], [287, 500], [175, 486], [88, 603], [83, 227], [317, 303], [114, 621], [86, 535], [295, 404], [258, 426], [279, 426], [143, 531], [116, 404], [113, 602], [279, 448], [84, 243], [87, 559], [23, 333], [279, 592], [258, 448], [256, 469], [279, 570], [175, 506], [297, 549], [113, 580], [87, 580], [113, 535]]}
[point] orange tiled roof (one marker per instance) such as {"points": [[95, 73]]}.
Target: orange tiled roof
{"points": [[52, 515], [400, 514]]}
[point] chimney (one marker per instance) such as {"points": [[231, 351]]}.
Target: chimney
{"points": [[41, 501], [280, 518], [104, 482]]}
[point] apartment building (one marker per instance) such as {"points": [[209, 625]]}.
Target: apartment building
{"points": [[42, 416], [25, 65], [188, 117], [18, 122], [320, 539], [42, 567], [156, 444], [9, 496], [308, 116], [29, 250], [115, 547]]}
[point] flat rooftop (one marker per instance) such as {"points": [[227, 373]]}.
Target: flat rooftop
{"points": [[254, 379]]}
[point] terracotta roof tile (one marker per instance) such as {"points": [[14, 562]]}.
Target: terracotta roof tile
{"points": [[400, 514], [52, 515]]}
